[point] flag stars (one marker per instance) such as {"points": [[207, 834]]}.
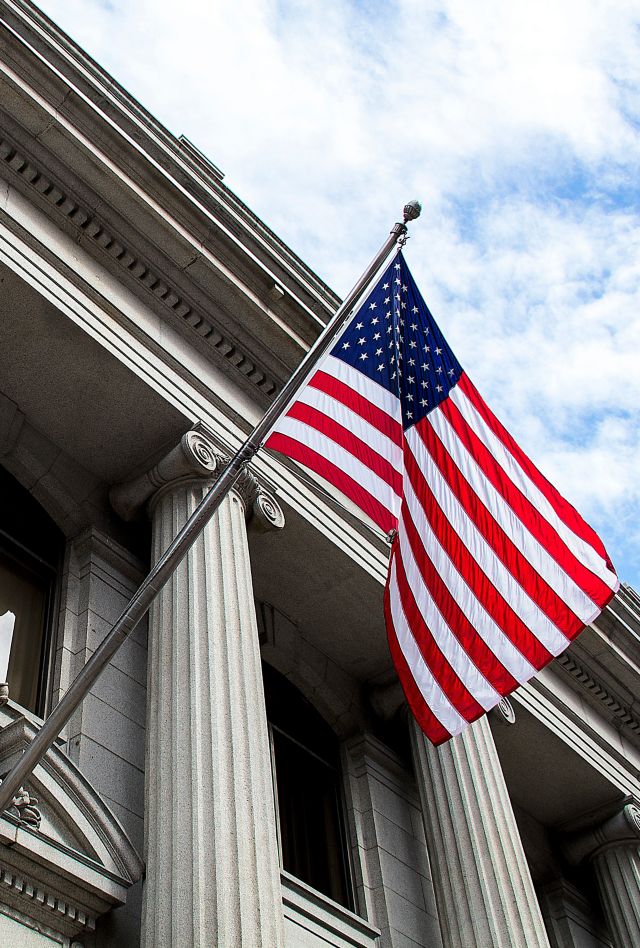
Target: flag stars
{"points": [[376, 335], [375, 321], [346, 345], [378, 352], [359, 325], [372, 305], [364, 356], [361, 341], [413, 344]]}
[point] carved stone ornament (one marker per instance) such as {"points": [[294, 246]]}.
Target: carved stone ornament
{"points": [[267, 512], [621, 829], [503, 713], [198, 457], [23, 806]]}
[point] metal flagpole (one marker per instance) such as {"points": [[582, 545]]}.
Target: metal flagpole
{"points": [[174, 553]]}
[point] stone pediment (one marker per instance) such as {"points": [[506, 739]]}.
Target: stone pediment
{"points": [[78, 863]]}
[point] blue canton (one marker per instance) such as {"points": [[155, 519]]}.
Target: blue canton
{"points": [[394, 340]]}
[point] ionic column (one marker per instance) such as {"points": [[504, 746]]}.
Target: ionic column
{"points": [[482, 882], [212, 866], [613, 849]]}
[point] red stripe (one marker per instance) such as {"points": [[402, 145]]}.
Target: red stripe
{"points": [[546, 598], [325, 468], [475, 647], [349, 441], [453, 687], [567, 513], [470, 571], [359, 404], [421, 711], [526, 512]]}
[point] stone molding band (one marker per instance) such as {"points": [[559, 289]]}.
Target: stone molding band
{"points": [[195, 457]]}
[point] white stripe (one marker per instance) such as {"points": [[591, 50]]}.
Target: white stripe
{"points": [[355, 423], [533, 551], [429, 688], [468, 673], [324, 446], [489, 631], [372, 391], [581, 548]]}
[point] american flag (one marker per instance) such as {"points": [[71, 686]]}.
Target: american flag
{"points": [[492, 573]]}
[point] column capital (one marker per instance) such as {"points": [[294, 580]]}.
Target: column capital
{"points": [[620, 830], [196, 457]]}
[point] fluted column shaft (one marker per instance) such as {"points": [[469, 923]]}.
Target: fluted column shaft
{"points": [[613, 850], [483, 886], [617, 872], [212, 866]]}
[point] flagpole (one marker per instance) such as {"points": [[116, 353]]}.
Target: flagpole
{"points": [[174, 553]]}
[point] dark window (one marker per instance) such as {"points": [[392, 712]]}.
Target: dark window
{"points": [[308, 791], [30, 548]]}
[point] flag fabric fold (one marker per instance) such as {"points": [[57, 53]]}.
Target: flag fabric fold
{"points": [[492, 572]]}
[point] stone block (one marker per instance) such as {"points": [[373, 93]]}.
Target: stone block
{"points": [[402, 879]]}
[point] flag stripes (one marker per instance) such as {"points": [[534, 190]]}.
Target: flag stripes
{"points": [[492, 573]]}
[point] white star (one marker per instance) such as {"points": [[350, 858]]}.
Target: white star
{"points": [[387, 315], [372, 305], [376, 335], [389, 329], [375, 321], [425, 366], [404, 288], [412, 361], [439, 388], [359, 325], [385, 286], [415, 309], [387, 299], [378, 352], [414, 326], [381, 367], [439, 370], [424, 384], [364, 356], [346, 345], [409, 414], [397, 266], [410, 378], [409, 398], [426, 348], [361, 341], [424, 402], [451, 372], [413, 344], [438, 351], [403, 305]]}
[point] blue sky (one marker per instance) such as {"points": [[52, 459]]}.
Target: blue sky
{"points": [[518, 127]]}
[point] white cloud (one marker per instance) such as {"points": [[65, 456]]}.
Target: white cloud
{"points": [[516, 124]]}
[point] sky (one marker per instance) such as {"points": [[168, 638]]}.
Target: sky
{"points": [[516, 124]]}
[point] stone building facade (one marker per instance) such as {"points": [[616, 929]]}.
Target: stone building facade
{"points": [[244, 772]]}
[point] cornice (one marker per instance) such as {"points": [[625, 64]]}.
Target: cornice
{"points": [[619, 712], [177, 156], [88, 224]]}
